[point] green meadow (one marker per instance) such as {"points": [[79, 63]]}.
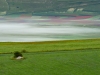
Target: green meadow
{"points": [[71, 57], [47, 46]]}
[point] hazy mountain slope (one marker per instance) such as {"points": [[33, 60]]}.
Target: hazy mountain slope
{"points": [[58, 6], [3, 5]]}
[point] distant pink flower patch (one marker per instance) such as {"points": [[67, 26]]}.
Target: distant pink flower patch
{"points": [[68, 19], [57, 20], [83, 17], [25, 16], [80, 17]]}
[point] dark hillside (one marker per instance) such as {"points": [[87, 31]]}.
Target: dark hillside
{"points": [[50, 6]]}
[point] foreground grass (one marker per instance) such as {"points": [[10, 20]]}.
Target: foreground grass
{"points": [[8, 47], [74, 57], [79, 62]]}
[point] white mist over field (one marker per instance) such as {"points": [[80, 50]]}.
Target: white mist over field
{"points": [[46, 29]]}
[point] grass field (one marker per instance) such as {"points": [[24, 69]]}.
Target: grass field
{"points": [[10, 47], [73, 57], [52, 63]]}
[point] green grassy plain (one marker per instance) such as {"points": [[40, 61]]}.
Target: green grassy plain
{"points": [[71, 57], [10, 47], [82, 62]]}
